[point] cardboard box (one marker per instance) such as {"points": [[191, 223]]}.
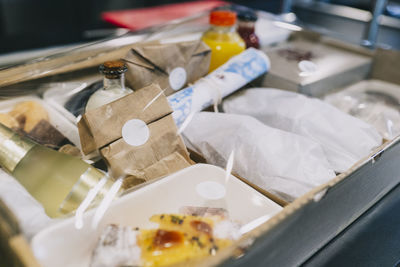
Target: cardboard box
{"points": [[311, 64], [310, 222]]}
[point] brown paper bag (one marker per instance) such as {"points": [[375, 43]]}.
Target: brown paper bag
{"points": [[171, 66], [103, 125], [163, 153], [137, 160]]}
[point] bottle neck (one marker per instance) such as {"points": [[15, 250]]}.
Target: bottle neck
{"points": [[114, 82], [13, 148], [222, 29], [246, 26]]}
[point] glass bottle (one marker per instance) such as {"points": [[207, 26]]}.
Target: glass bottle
{"points": [[222, 38], [58, 181], [113, 85], [246, 28]]}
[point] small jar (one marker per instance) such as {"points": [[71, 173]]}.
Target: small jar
{"points": [[113, 85], [246, 28]]}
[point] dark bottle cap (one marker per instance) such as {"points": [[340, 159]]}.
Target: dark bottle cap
{"points": [[113, 69], [247, 15]]}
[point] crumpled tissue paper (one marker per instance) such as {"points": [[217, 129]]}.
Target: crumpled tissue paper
{"points": [[344, 138], [280, 162]]}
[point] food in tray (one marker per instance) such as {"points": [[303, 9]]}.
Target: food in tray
{"points": [[9, 121], [178, 238], [29, 114], [204, 211], [30, 118]]}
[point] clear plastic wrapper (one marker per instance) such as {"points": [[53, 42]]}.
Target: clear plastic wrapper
{"points": [[373, 101], [280, 162], [344, 138], [70, 98], [30, 114]]}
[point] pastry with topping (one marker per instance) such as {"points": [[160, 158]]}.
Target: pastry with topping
{"points": [[177, 239]]}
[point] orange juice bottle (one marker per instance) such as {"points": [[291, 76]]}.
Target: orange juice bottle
{"points": [[222, 38]]}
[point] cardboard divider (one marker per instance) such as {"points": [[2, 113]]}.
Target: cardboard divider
{"points": [[13, 245]]}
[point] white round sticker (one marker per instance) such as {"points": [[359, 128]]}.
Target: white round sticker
{"points": [[307, 66], [211, 190], [177, 78], [135, 132]]}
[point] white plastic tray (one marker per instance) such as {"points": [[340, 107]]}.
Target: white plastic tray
{"points": [[63, 245]]}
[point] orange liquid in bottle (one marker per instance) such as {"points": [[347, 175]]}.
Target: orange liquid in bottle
{"points": [[224, 45], [222, 38]]}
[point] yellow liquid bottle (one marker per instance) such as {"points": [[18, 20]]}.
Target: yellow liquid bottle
{"points": [[222, 38], [58, 181]]}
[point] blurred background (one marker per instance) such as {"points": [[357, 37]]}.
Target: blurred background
{"points": [[33, 24]]}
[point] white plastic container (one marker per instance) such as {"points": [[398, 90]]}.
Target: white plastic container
{"points": [[63, 245]]}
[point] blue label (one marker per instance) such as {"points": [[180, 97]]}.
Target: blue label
{"points": [[181, 103], [249, 65]]}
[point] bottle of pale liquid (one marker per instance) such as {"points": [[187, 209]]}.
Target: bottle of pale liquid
{"points": [[58, 181], [113, 85]]}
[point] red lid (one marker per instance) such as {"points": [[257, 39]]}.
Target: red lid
{"points": [[222, 18]]}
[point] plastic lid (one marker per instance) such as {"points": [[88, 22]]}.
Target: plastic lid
{"points": [[247, 15], [222, 18]]}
